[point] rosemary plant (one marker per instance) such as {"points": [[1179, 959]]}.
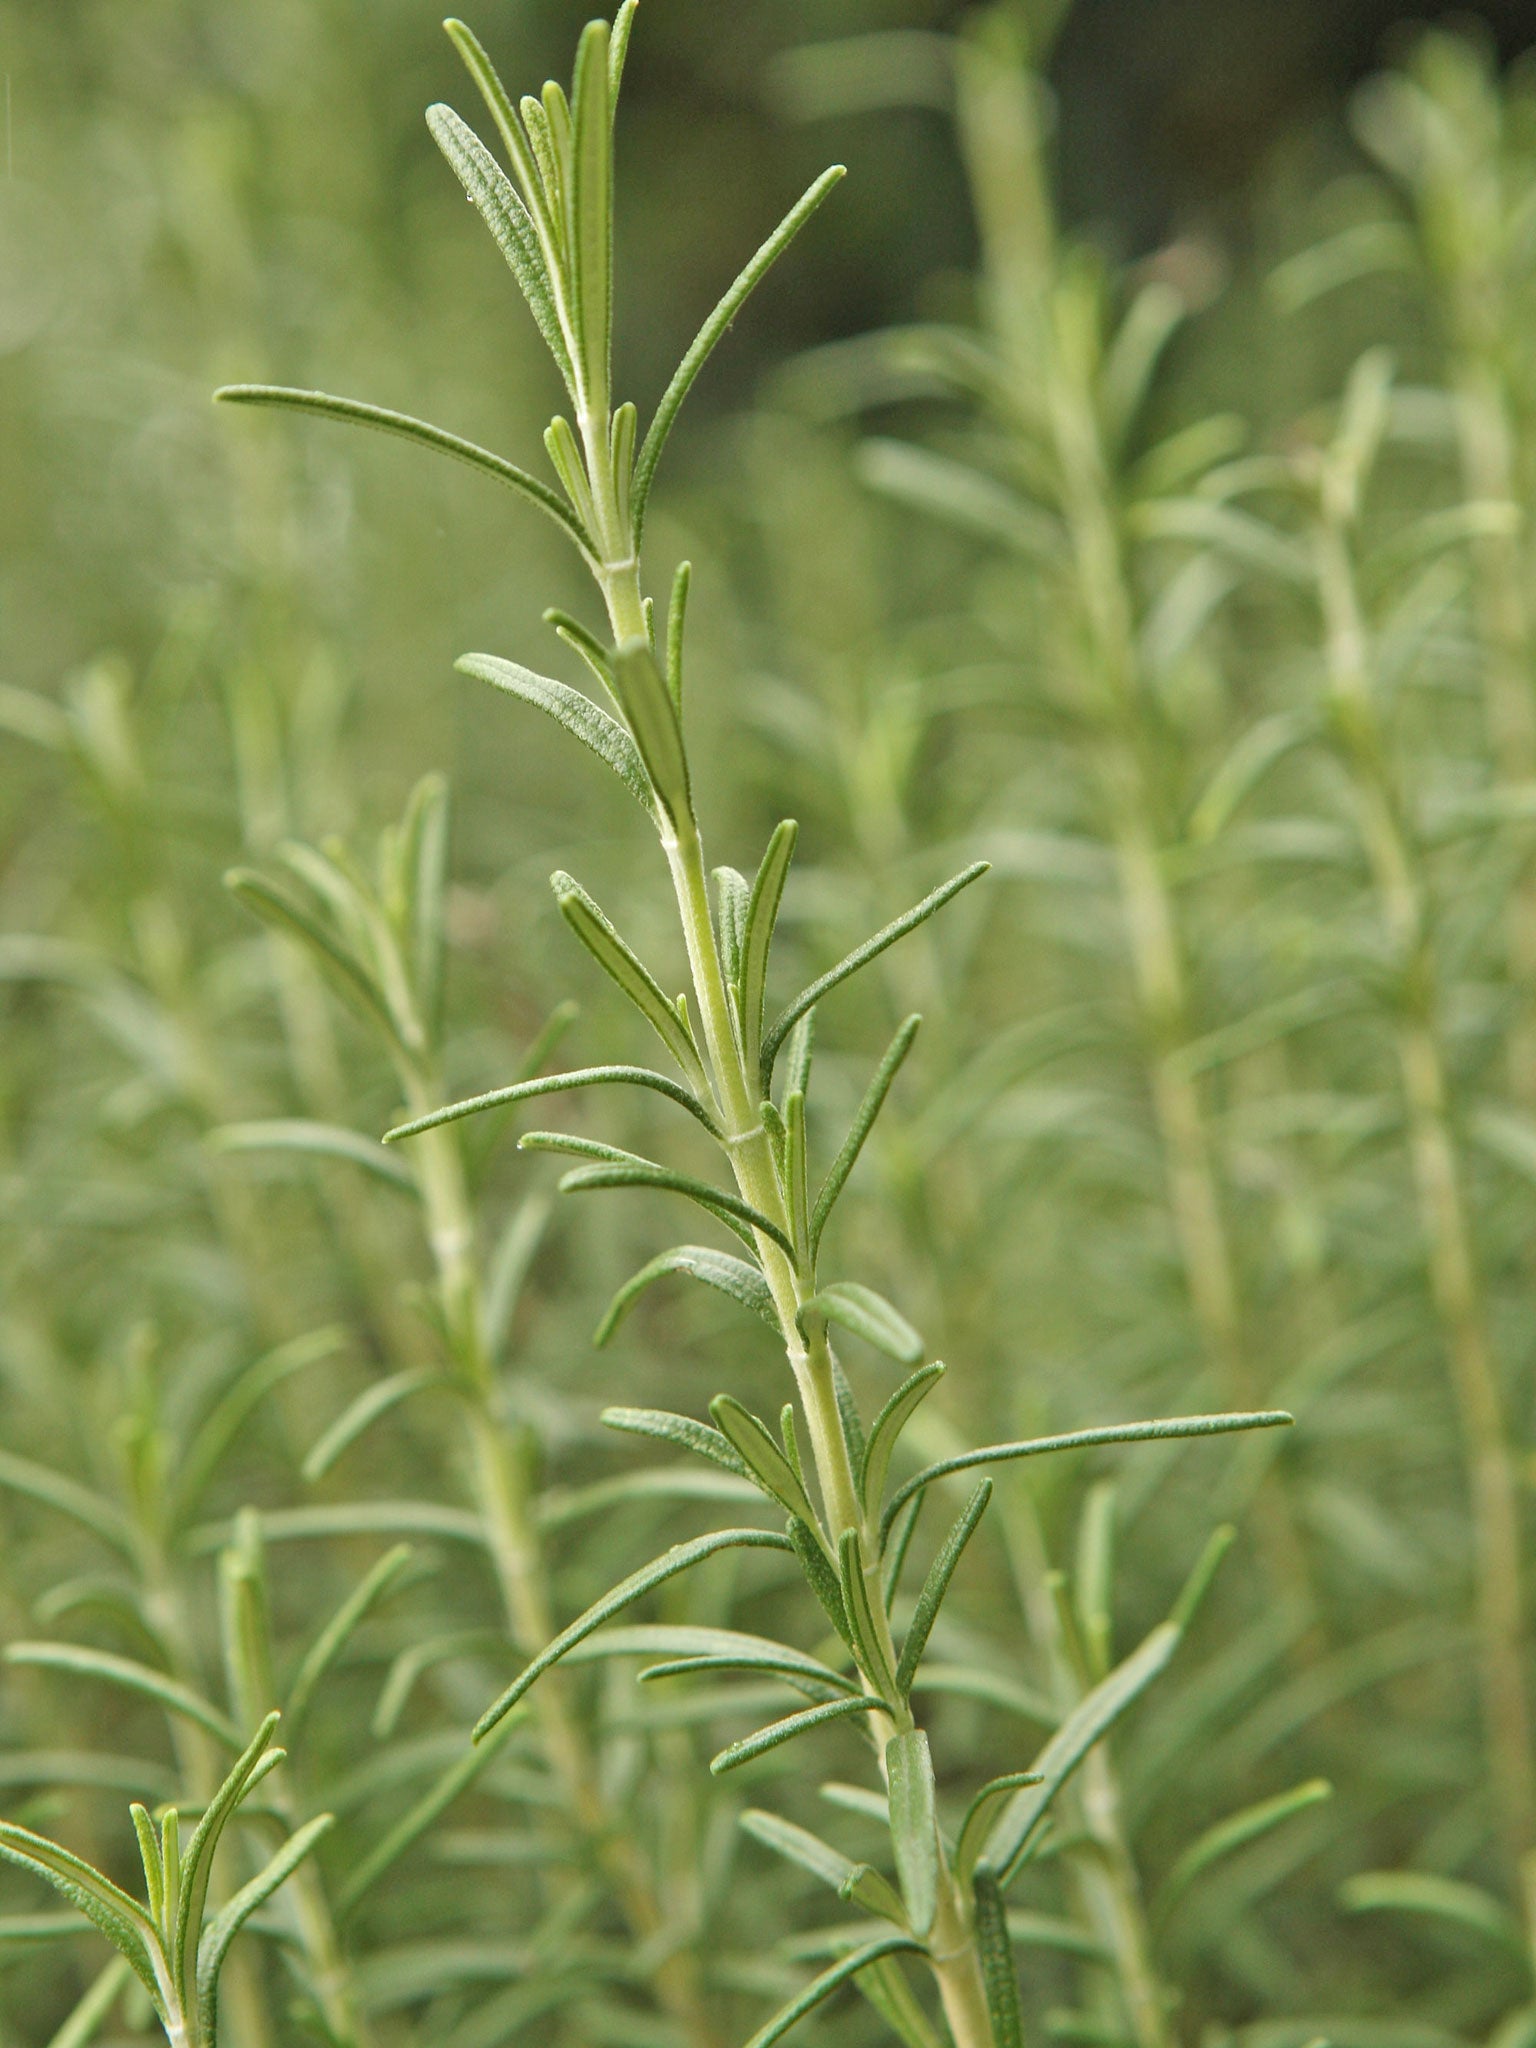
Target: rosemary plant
{"points": [[742, 1073]]}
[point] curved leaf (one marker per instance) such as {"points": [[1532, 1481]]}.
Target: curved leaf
{"points": [[727, 1274], [764, 1739], [680, 1558], [936, 1585], [863, 1122], [588, 722]]}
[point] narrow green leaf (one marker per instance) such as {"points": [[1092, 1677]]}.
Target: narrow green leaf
{"points": [[618, 46], [868, 1315], [675, 1429], [863, 1122], [884, 1984], [703, 344], [1084, 1439], [1011, 1837], [860, 957], [692, 1644], [822, 1987], [654, 721], [589, 723], [754, 1444], [556, 1084], [1236, 1832], [504, 114], [936, 1585], [885, 1432], [729, 1208], [592, 209], [132, 1677], [979, 1816], [764, 1739], [757, 936], [728, 1275], [278, 907], [121, 1919], [360, 1415], [962, 496], [418, 1817], [626, 969], [1441, 1898], [997, 1965], [563, 1507], [38, 1483], [496, 200], [868, 1645], [798, 1845], [677, 621], [299, 1134], [221, 1931], [914, 1825], [355, 412], [375, 1585], [680, 1558], [821, 1577], [255, 1761], [732, 896]]}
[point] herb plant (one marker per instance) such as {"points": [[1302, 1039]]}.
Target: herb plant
{"points": [[849, 1529]]}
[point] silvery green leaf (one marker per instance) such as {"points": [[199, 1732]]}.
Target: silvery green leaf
{"points": [[330, 1141], [354, 412], [636, 980], [1239, 1829], [220, 1932], [496, 201], [556, 1084], [587, 721], [703, 344], [962, 495], [281, 908], [868, 1315], [380, 1580], [822, 1987], [753, 1443], [886, 1429], [1083, 1439], [863, 1122], [1013, 1833], [689, 1643], [914, 1825], [997, 1965], [131, 1676], [860, 957], [757, 935], [360, 1414], [591, 252], [677, 620], [719, 1202], [763, 1739], [680, 1558], [674, 1429], [936, 1585], [820, 1576], [732, 897], [121, 1919], [653, 720], [721, 1270], [414, 1822], [979, 1816], [868, 1645], [499, 105]]}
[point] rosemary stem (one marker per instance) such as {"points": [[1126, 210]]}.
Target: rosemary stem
{"points": [[1455, 1286]]}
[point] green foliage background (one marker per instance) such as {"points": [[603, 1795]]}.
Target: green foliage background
{"points": [[218, 633]]}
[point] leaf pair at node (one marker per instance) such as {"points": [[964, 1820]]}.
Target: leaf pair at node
{"points": [[169, 1942]]}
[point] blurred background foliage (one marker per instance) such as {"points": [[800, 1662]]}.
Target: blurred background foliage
{"points": [[220, 633]]}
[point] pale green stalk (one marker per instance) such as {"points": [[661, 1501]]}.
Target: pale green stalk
{"points": [[1493, 1482]]}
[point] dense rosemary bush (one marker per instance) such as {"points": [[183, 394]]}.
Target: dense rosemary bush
{"points": [[1221, 1100]]}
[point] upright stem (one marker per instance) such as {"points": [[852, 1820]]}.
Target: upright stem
{"points": [[500, 1481], [1492, 1480]]}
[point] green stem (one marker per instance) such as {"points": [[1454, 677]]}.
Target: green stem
{"points": [[499, 1477], [1455, 1287]]}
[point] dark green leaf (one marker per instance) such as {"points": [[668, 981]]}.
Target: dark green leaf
{"points": [[703, 343], [721, 1270], [675, 1429], [354, 411], [886, 1431], [588, 722], [863, 1122], [997, 1966], [823, 1986], [860, 957], [680, 1558], [802, 1723], [914, 1826], [868, 1315], [936, 1585], [757, 935]]}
